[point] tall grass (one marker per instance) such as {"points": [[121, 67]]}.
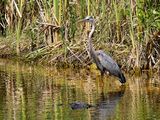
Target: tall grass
{"points": [[123, 28], [19, 10]]}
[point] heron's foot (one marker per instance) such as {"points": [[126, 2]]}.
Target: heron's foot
{"points": [[102, 74]]}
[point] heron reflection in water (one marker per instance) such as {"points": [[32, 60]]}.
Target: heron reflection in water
{"points": [[107, 103]]}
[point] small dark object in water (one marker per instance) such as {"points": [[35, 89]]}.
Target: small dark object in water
{"points": [[80, 105]]}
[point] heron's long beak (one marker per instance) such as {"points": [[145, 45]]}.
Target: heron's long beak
{"points": [[83, 20]]}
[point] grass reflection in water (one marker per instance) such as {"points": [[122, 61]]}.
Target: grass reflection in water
{"points": [[35, 92]]}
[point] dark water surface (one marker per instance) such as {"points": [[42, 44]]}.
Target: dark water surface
{"points": [[45, 93]]}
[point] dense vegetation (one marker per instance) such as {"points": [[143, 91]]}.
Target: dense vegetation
{"points": [[47, 31]]}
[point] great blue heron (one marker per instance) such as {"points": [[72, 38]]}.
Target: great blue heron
{"points": [[103, 61]]}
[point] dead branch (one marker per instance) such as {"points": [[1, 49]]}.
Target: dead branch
{"points": [[49, 24], [17, 8], [75, 55]]}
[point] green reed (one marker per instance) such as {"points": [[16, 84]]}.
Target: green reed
{"points": [[19, 25], [56, 9], [127, 25]]}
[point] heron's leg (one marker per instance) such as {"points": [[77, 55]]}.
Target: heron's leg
{"points": [[102, 74], [101, 79]]}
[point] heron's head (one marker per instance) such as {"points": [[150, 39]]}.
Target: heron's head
{"points": [[87, 19]]}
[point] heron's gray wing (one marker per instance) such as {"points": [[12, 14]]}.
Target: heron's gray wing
{"points": [[107, 62]]}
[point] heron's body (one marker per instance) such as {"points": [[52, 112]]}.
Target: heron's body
{"points": [[103, 61], [108, 64]]}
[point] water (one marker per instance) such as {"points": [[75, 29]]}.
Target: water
{"points": [[31, 92]]}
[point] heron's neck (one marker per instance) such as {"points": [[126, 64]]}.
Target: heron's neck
{"points": [[90, 45]]}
